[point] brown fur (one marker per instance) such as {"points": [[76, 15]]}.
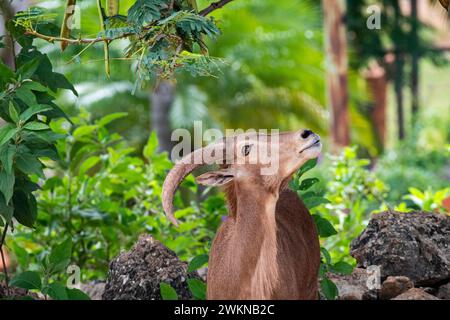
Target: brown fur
{"points": [[275, 255]]}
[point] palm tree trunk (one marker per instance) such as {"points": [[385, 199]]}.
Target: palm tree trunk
{"points": [[161, 100], [378, 83], [415, 62], [398, 80], [337, 66]]}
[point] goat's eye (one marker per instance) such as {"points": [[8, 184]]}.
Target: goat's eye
{"points": [[246, 149]]}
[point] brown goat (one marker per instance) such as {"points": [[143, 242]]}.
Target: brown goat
{"points": [[268, 246]]}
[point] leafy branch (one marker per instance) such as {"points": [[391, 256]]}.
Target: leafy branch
{"points": [[164, 35], [205, 12], [214, 6]]}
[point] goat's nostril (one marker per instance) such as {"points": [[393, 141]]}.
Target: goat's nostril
{"points": [[306, 133]]}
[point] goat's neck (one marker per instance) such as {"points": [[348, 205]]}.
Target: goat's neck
{"points": [[256, 228]]}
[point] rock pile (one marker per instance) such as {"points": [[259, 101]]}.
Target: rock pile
{"points": [[136, 274], [412, 253]]}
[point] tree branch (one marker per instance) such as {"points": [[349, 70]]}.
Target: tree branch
{"points": [[72, 41], [214, 6]]}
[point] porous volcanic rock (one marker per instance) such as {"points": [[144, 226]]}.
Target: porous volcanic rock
{"points": [[94, 289], [353, 286], [413, 244], [136, 274], [415, 294], [444, 292]]}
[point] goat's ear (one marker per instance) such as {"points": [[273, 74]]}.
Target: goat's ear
{"points": [[215, 178]]}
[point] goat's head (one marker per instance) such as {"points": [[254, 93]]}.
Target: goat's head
{"points": [[246, 160]]}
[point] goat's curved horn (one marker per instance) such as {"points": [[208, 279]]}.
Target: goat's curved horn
{"points": [[184, 167]]}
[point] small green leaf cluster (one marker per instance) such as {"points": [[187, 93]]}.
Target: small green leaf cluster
{"points": [[354, 192], [45, 280], [169, 45], [426, 200], [26, 141]]}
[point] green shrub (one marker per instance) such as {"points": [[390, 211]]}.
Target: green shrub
{"points": [[354, 192], [410, 165], [103, 195], [47, 280]]}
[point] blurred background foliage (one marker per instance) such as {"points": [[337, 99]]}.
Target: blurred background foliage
{"points": [[105, 189]]}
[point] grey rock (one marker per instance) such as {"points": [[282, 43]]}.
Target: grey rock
{"points": [[17, 293], [94, 289], [415, 294], [444, 292], [353, 286], [413, 244], [203, 273], [137, 274]]}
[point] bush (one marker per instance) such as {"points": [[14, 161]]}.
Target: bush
{"points": [[103, 196], [409, 165]]}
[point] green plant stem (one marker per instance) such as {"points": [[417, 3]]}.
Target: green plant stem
{"points": [[5, 269], [102, 28]]}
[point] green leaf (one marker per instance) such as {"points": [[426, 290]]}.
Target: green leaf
{"points": [[36, 126], [7, 132], [28, 69], [13, 112], [324, 227], [23, 257], [308, 183], [143, 12], [198, 288], [75, 294], [26, 95], [60, 256], [25, 208], [5, 75], [29, 164], [56, 291], [88, 164], [60, 81], [111, 117], [326, 255], [27, 280], [329, 289], [322, 270], [7, 181], [197, 262], [167, 292], [152, 145], [31, 111], [6, 211], [84, 131], [342, 267], [307, 166], [36, 86], [7, 153], [314, 201]]}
